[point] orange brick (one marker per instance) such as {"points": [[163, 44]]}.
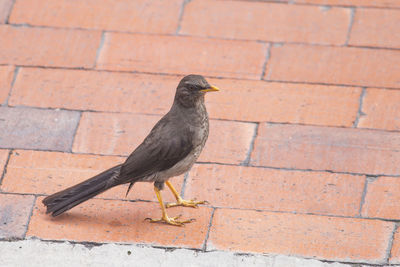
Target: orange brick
{"points": [[120, 134], [49, 172], [3, 160], [6, 76], [266, 189], [381, 109], [15, 211], [372, 3], [94, 90], [395, 253], [48, 47], [382, 199], [376, 27], [283, 102], [122, 15], [326, 148], [112, 134], [327, 238], [266, 21], [120, 221], [5, 9], [228, 142], [238, 99], [334, 65], [182, 55]]}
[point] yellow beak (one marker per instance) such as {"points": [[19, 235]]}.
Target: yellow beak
{"points": [[211, 89]]}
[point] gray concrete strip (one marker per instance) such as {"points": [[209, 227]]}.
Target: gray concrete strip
{"points": [[35, 252]]}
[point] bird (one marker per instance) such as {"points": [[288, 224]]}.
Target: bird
{"points": [[170, 149]]}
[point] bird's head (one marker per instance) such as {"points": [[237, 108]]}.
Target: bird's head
{"points": [[191, 90]]}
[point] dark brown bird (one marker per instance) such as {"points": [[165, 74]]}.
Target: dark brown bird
{"points": [[170, 149]]}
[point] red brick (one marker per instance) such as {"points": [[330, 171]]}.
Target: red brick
{"points": [[182, 55], [6, 76], [121, 15], [334, 65], [395, 252], [3, 160], [368, 3], [382, 199], [326, 148], [94, 90], [120, 134], [376, 27], [120, 221], [48, 47], [266, 189], [328, 238], [37, 128], [381, 109], [266, 21], [283, 102], [5, 9], [49, 172], [15, 211]]}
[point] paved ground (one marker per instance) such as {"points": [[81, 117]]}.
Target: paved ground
{"points": [[303, 157]]}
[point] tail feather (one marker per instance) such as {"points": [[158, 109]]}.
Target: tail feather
{"points": [[74, 195]]}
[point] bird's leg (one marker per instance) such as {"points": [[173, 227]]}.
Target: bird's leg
{"points": [[164, 217], [181, 202]]}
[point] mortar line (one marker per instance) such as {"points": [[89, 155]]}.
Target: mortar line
{"points": [[30, 216], [364, 193], [96, 61], [390, 243], [15, 74], [326, 84], [207, 76], [232, 208], [185, 178], [360, 107], [352, 14], [217, 163], [205, 37], [75, 131], [267, 57], [180, 16], [204, 247], [3, 174], [213, 119], [246, 161], [9, 12], [293, 2]]}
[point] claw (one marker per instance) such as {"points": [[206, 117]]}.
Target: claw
{"points": [[181, 202], [170, 220], [186, 203]]}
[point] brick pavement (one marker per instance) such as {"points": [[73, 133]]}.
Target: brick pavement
{"points": [[303, 156]]}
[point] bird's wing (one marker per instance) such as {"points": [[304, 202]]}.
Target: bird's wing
{"points": [[165, 146]]}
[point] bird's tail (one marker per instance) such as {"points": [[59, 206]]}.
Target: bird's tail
{"points": [[74, 195]]}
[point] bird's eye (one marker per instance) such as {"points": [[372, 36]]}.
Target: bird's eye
{"points": [[194, 87]]}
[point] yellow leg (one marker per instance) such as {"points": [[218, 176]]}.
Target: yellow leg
{"points": [[180, 201], [164, 217]]}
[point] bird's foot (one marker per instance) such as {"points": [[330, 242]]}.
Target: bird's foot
{"points": [[186, 203], [170, 220]]}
